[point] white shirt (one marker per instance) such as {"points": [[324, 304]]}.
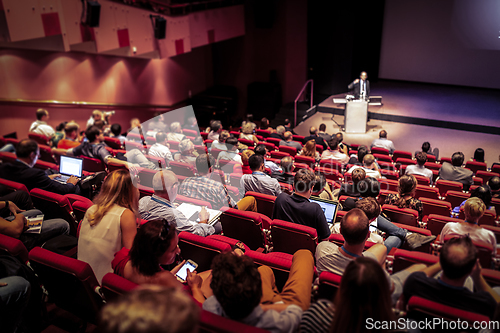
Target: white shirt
{"points": [[41, 127], [419, 170], [383, 143], [475, 232], [335, 155], [369, 172], [261, 183], [161, 151]]}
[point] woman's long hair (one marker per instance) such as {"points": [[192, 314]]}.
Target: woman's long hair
{"points": [[152, 240], [309, 149], [364, 293], [407, 184], [119, 189]]}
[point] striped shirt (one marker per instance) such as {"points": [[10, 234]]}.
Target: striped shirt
{"points": [[206, 189], [318, 318]]}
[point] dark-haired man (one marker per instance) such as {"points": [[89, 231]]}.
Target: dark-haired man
{"points": [[313, 135], [333, 153], [258, 181], [203, 188], [458, 260], [494, 184], [383, 142], [455, 172], [262, 151], [160, 148], [40, 126], [419, 168], [360, 87], [298, 209], [248, 294], [322, 133], [286, 176]]}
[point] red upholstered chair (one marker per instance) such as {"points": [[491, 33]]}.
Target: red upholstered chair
{"points": [[486, 175], [13, 186], [389, 185], [422, 180], [431, 158], [230, 241], [265, 203], [8, 157], [329, 284], [274, 141], [401, 215], [182, 169], [290, 150], [383, 195], [269, 145], [340, 215], [145, 191], [234, 179], [330, 164], [46, 154], [39, 138], [228, 166], [79, 204], [215, 152], [298, 166], [379, 150], [92, 164], [114, 285], [156, 161], [146, 176], [311, 162], [135, 136], [263, 133], [71, 283], [393, 175], [290, 237], [476, 166], [42, 165], [495, 168], [385, 165], [424, 191], [436, 223], [189, 132], [150, 140], [200, 249], [329, 173], [299, 138], [246, 142], [200, 149], [211, 323], [495, 202], [455, 198], [247, 227], [319, 149], [204, 135], [53, 206], [382, 158], [401, 154], [432, 165], [129, 145], [438, 207], [405, 161], [114, 143], [445, 159], [404, 259], [477, 180], [448, 185], [419, 308], [14, 247], [287, 188], [183, 199], [279, 262], [279, 154], [487, 219]]}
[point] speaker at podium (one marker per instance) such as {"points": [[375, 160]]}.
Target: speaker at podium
{"points": [[356, 116]]}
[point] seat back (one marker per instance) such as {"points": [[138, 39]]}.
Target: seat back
{"points": [[393, 175], [448, 185], [401, 215], [46, 154], [274, 141], [306, 160], [279, 262], [246, 142], [455, 198], [329, 284], [244, 226], [329, 173], [200, 249], [146, 176], [438, 207], [39, 138], [330, 164], [476, 166], [279, 154], [380, 150], [114, 143], [7, 157], [79, 204], [404, 259], [299, 138], [488, 217], [14, 247], [432, 165], [424, 191], [13, 186], [71, 283], [383, 158], [265, 203], [486, 175], [422, 180], [156, 161], [401, 154], [290, 237], [436, 223], [215, 152], [495, 202], [54, 206], [114, 285], [405, 161], [197, 202], [290, 150], [145, 191], [389, 185], [92, 164], [212, 323], [269, 145], [182, 169]]}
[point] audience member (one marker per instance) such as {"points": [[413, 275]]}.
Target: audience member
{"points": [[40, 126], [135, 123], [321, 188], [58, 135], [383, 142], [322, 133], [286, 175], [368, 187], [264, 124], [161, 148], [95, 116], [364, 294], [419, 168], [309, 150], [220, 143], [351, 189], [494, 184], [116, 132], [215, 129], [296, 208], [279, 134], [358, 158], [258, 181], [479, 155], [247, 133], [157, 124], [249, 120], [455, 172], [192, 124], [160, 206], [151, 309], [289, 141], [482, 192], [187, 153], [343, 148], [458, 260], [288, 126], [426, 148], [262, 151], [231, 152], [313, 135], [70, 139], [474, 209], [110, 223], [247, 294], [333, 152], [203, 188], [406, 195], [176, 132], [370, 167], [245, 155]]}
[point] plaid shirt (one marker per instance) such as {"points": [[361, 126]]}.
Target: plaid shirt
{"points": [[203, 188]]}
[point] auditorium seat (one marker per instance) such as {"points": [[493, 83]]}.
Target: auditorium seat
{"points": [[269, 145], [394, 175], [92, 164], [200, 249], [114, 285], [432, 165], [189, 132], [436, 223], [274, 141], [46, 154], [433, 206], [182, 169], [389, 184], [382, 158], [445, 159], [422, 180], [114, 143], [145, 191], [475, 166], [156, 161], [330, 164], [401, 215], [311, 162], [487, 219], [246, 142], [263, 133], [290, 237], [379, 150], [385, 165], [401, 154], [486, 175], [146, 176], [79, 204], [477, 181], [211, 323], [330, 173], [299, 138], [455, 198], [484, 251], [405, 258], [383, 195], [13, 186], [329, 284], [279, 154], [405, 161], [448, 185], [7, 157], [292, 151], [14, 247], [248, 227], [200, 149], [279, 262], [265, 203]]}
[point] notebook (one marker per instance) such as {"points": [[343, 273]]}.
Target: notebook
{"points": [[329, 207], [191, 213], [69, 166]]}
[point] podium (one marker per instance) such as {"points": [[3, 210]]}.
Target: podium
{"points": [[356, 113]]}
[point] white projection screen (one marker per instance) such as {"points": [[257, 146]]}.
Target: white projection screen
{"points": [[442, 41]]}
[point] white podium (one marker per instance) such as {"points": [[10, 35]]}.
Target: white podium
{"points": [[356, 113]]}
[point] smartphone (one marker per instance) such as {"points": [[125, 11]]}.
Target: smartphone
{"points": [[190, 265]]}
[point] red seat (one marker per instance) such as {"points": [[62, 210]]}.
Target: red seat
{"points": [[477, 180], [495, 168], [329, 284], [146, 176], [229, 166], [311, 162], [431, 158], [246, 142], [269, 146], [13, 186], [487, 219], [290, 237], [197, 202], [389, 184], [79, 204], [150, 140], [438, 207], [14, 247], [422, 180], [383, 195], [319, 149], [215, 152], [114, 143], [45, 165], [279, 262], [248, 227], [476, 166], [436, 223], [71, 283], [491, 276], [265, 203], [274, 141], [432, 165], [448, 185], [112, 166], [404, 259], [135, 136], [405, 161], [129, 145], [145, 191], [495, 202], [330, 164], [290, 150], [391, 174], [157, 161], [46, 154], [338, 240], [182, 169], [379, 150], [189, 132], [8, 157], [39, 138], [235, 178], [204, 135], [299, 138], [200, 249], [455, 198], [279, 154], [486, 175], [385, 165], [382, 158], [114, 285], [401, 154], [92, 164], [54, 206], [228, 240], [287, 188], [329, 173], [445, 159], [401, 215], [263, 133]]}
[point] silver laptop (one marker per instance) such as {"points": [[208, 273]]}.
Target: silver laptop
{"points": [[69, 166], [329, 208]]}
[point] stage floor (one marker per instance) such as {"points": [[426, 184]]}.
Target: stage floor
{"points": [[450, 118]]}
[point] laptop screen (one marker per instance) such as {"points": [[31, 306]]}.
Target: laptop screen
{"points": [[71, 166], [329, 208]]}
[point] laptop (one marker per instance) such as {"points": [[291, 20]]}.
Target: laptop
{"points": [[329, 207], [69, 166]]}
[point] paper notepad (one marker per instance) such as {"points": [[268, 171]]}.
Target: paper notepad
{"points": [[34, 224], [191, 213]]}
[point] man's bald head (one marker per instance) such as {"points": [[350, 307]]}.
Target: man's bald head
{"points": [[354, 227], [288, 136], [458, 257], [164, 187], [312, 130]]}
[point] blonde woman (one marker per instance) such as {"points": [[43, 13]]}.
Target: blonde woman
{"points": [[110, 223], [247, 133], [309, 150]]}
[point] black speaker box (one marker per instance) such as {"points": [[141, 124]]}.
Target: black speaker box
{"points": [[93, 13], [160, 27]]}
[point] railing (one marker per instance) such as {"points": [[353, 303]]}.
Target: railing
{"points": [[298, 97]]}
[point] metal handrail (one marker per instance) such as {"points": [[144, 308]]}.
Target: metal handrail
{"points": [[298, 97]]}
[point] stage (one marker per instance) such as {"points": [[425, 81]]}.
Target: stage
{"points": [[450, 118]]}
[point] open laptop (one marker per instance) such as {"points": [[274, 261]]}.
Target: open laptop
{"points": [[329, 207], [69, 166]]}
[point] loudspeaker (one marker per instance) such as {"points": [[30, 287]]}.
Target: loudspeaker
{"points": [[160, 27], [93, 13]]}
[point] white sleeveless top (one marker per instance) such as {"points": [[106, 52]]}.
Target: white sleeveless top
{"points": [[98, 244]]}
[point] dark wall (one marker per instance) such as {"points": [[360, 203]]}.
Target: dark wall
{"points": [[344, 39]]}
